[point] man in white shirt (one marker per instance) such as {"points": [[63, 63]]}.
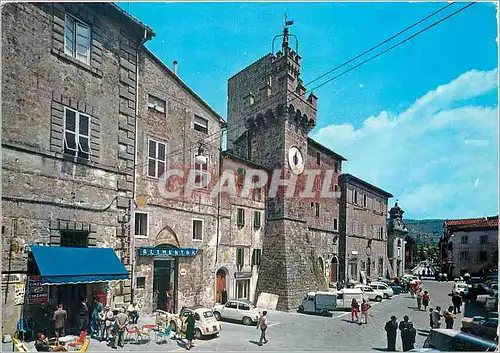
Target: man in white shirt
{"points": [[132, 313], [262, 324]]}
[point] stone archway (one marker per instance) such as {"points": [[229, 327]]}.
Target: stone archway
{"points": [[221, 285], [166, 236], [334, 269]]}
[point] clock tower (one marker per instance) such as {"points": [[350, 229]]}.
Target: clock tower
{"points": [[269, 118]]}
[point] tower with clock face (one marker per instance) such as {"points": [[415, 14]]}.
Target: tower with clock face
{"points": [[269, 118]]}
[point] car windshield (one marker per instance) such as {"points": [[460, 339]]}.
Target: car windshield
{"points": [[208, 314]]}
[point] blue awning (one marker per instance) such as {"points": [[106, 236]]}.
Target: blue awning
{"points": [[61, 265]]}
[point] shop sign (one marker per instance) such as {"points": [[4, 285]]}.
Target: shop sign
{"points": [[37, 292], [19, 294], [239, 275], [167, 252], [12, 278]]}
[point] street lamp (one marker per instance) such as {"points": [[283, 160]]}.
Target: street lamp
{"points": [[200, 157]]}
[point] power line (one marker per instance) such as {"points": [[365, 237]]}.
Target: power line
{"points": [[206, 140], [380, 44], [394, 46]]}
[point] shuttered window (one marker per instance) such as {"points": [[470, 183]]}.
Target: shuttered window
{"points": [[77, 39]]}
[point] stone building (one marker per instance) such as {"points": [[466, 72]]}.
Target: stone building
{"points": [[363, 230], [470, 246], [172, 120], [396, 242], [269, 118], [68, 120]]}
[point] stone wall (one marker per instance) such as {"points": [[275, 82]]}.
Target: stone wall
{"points": [[44, 190]]}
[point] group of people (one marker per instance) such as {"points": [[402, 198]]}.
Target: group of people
{"points": [[355, 308], [104, 322], [408, 333], [423, 298]]}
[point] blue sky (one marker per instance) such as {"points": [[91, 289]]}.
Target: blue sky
{"points": [[420, 121]]}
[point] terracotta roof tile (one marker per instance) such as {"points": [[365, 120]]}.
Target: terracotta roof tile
{"points": [[473, 222]]}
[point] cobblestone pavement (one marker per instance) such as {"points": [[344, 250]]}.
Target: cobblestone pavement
{"points": [[300, 332]]}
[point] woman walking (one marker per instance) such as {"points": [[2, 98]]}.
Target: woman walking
{"points": [[189, 331], [354, 309], [425, 300], [419, 299], [364, 312]]}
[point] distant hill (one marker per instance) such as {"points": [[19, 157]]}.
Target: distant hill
{"points": [[425, 231]]}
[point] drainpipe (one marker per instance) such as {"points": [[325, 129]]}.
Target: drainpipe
{"points": [[219, 198], [134, 192]]}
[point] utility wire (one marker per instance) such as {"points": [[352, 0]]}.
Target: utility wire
{"points": [[380, 44], [395, 45], [207, 139]]}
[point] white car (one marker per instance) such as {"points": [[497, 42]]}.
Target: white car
{"points": [[238, 310], [370, 293], [205, 323], [460, 287], [384, 288]]}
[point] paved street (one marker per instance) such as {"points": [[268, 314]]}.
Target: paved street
{"points": [[300, 332]]}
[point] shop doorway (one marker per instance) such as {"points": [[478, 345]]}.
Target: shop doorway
{"points": [[220, 287], [165, 281], [333, 270]]}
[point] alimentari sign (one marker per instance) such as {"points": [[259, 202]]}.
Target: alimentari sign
{"points": [[143, 251]]}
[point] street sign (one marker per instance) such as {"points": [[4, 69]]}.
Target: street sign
{"points": [[175, 252]]}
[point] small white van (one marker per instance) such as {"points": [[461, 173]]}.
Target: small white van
{"points": [[346, 295]]}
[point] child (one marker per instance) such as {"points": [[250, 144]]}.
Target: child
{"points": [[425, 300]]}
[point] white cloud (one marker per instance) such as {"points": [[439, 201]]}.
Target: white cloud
{"points": [[431, 150]]}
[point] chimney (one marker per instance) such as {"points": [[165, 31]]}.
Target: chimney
{"points": [[175, 67]]}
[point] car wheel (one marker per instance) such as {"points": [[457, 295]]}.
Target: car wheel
{"points": [[378, 298], [197, 334], [247, 321], [301, 309], [217, 315], [386, 296]]}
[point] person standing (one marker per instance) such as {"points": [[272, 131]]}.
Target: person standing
{"points": [[354, 309], [403, 327], [95, 323], [412, 335], [169, 302], [83, 319], [133, 313], [456, 299], [189, 330], [419, 298], [364, 311], [436, 317], [426, 299], [391, 328], [224, 296], [109, 317], [262, 324], [60, 317], [430, 318], [449, 317], [120, 325]]}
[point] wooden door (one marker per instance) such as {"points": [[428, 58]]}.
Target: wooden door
{"points": [[220, 285]]}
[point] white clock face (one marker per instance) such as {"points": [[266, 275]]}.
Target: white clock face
{"points": [[295, 160]]}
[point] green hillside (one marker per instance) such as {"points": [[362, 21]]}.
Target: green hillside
{"points": [[425, 231]]}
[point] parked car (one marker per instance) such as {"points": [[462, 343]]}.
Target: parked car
{"points": [[322, 303], [370, 293], [481, 326], [384, 288], [447, 340], [205, 322], [396, 288], [460, 287], [477, 289], [237, 310]]}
